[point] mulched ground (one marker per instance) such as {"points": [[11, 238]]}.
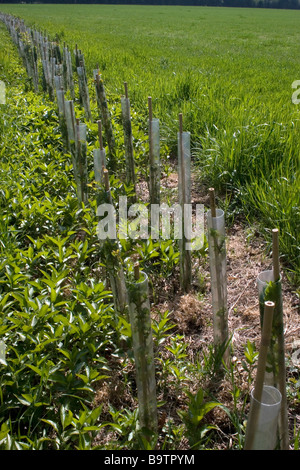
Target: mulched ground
{"points": [[192, 314]]}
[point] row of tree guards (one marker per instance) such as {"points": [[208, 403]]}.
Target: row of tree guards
{"points": [[55, 71]]}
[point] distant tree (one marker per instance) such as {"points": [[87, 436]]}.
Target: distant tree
{"points": [[282, 4]]}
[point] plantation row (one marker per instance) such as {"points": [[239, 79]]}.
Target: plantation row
{"points": [[57, 74], [243, 124], [77, 253]]}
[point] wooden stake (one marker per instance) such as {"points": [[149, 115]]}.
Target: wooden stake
{"points": [[150, 129], [106, 179], [283, 422], [212, 202], [137, 271], [100, 134], [275, 251], [77, 134], [150, 108]]}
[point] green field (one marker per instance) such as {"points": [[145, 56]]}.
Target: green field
{"points": [[68, 380], [229, 71]]}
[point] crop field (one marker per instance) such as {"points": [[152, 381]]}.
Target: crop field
{"points": [[68, 359]]}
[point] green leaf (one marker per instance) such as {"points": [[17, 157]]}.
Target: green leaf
{"points": [[51, 423], [4, 431], [66, 416], [59, 331], [35, 369], [26, 399], [90, 428]]}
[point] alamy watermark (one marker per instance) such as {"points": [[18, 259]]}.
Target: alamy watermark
{"points": [[141, 221], [296, 94]]}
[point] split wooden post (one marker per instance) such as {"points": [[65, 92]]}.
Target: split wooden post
{"points": [[128, 138], [140, 319], [154, 151], [184, 188]]}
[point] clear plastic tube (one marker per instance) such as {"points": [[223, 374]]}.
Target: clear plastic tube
{"points": [[82, 128], [81, 164], [70, 119], [268, 409], [118, 288], [269, 290], [139, 311], [217, 261], [154, 140], [184, 192], [70, 75], [58, 82], [184, 177], [84, 92], [60, 102], [99, 163], [106, 118], [128, 142]]}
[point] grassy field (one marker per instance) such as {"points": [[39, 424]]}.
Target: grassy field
{"points": [[68, 382], [229, 71]]}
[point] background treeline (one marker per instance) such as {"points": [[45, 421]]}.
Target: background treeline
{"points": [[285, 4]]}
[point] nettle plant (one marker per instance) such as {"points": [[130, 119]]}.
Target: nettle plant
{"points": [[57, 321]]}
